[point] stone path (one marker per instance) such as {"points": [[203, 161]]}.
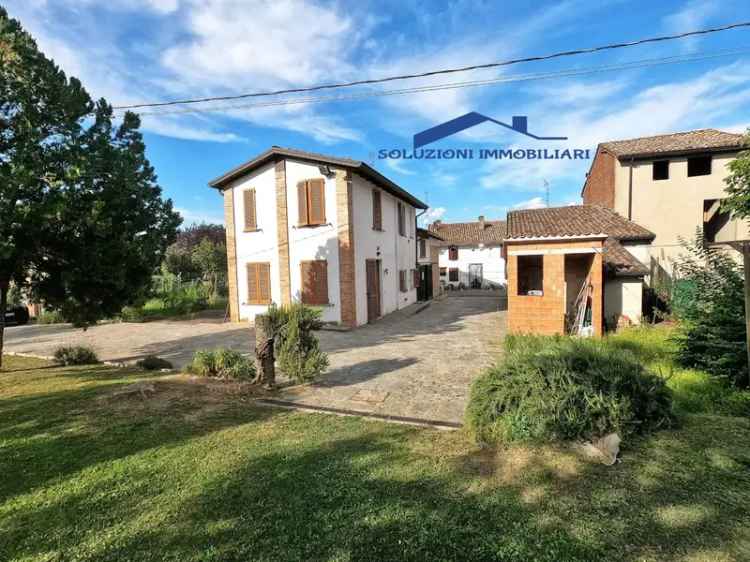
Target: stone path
{"points": [[418, 366]]}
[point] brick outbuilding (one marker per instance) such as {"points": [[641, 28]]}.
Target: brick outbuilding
{"points": [[571, 270]]}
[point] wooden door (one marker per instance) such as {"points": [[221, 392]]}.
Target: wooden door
{"points": [[373, 290], [424, 291]]}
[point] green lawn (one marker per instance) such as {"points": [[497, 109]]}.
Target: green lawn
{"points": [[195, 474]]}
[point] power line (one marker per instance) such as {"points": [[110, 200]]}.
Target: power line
{"points": [[643, 63], [536, 58]]}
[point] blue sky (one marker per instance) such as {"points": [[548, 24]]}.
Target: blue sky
{"points": [[154, 50]]}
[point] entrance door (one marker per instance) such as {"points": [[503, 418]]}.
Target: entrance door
{"points": [[373, 290], [424, 291], [475, 276]]}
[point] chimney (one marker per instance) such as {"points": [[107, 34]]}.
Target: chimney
{"points": [[437, 223], [481, 222]]}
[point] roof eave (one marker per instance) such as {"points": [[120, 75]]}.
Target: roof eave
{"points": [[673, 153]]}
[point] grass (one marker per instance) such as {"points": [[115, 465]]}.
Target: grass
{"points": [[191, 475], [694, 391]]}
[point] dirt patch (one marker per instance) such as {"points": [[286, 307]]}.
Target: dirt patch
{"points": [[186, 395]]}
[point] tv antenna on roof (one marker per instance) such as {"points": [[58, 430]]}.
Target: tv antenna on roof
{"points": [[546, 189]]}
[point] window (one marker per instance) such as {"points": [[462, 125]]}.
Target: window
{"points": [[314, 276], [311, 199], [530, 275], [453, 253], [402, 280], [453, 274], [423, 248], [660, 170], [443, 271], [377, 210], [699, 166], [248, 199], [258, 283], [401, 220]]}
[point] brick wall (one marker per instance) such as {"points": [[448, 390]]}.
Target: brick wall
{"points": [[344, 214], [546, 314], [600, 183], [282, 218], [234, 300]]}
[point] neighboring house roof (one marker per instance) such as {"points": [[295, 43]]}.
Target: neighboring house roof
{"points": [[621, 262], [574, 221], [276, 152], [470, 233], [701, 140], [424, 233], [578, 221]]}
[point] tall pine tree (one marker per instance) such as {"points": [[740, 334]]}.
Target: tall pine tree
{"points": [[82, 221]]}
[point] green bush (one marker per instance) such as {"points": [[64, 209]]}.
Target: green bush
{"points": [[132, 314], [711, 309], [50, 317], [221, 363], [76, 355], [153, 363], [297, 349], [566, 388]]}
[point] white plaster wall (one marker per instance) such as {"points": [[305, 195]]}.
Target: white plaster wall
{"points": [[491, 258], [260, 246], [623, 296], [313, 243], [395, 251], [671, 208]]}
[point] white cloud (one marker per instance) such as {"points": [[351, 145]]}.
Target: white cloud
{"points": [[533, 203], [692, 17], [398, 166], [198, 217], [432, 215]]}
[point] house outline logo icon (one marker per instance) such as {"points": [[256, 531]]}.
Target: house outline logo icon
{"points": [[519, 124]]}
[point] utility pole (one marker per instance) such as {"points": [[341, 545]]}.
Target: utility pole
{"points": [[546, 189]]}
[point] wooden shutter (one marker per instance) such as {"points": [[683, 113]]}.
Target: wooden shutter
{"points": [[317, 201], [401, 220], [453, 253], [423, 248], [415, 278], [402, 280], [259, 283], [314, 276], [377, 210], [302, 203], [249, 206]]}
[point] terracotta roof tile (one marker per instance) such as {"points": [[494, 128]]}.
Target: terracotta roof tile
{"points": [[470, 233], [691, 141], [573, 221], [621, 262]]}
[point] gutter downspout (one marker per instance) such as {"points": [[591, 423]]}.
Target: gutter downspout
{"points": [[630, 190]]}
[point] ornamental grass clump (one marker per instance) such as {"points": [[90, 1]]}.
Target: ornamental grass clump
{"points": [[562, 388], [221, 363]]}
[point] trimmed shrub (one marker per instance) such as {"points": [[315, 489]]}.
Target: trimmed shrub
{"points": [[221, 363], [153, 363], [566, 388], [297, 349], [76, 355]]}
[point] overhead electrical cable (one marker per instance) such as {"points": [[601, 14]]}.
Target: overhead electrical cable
{"points": [[498, 64]]}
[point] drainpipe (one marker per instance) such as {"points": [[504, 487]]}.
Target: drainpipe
{"points": [[630, 190]]}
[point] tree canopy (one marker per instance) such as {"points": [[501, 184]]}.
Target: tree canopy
{"points": [[83, 223]]}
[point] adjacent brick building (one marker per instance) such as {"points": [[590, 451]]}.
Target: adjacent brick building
{"points": [[563, 260]]}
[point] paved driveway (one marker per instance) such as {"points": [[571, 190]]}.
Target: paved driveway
{"points": [[405, 366]]}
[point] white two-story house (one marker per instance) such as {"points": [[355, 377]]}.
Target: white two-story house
{"points": [[329, 232], [471, 254], [669, 184]]}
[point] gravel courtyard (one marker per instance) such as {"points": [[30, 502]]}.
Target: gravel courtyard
{"points": [[406, 365]]}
